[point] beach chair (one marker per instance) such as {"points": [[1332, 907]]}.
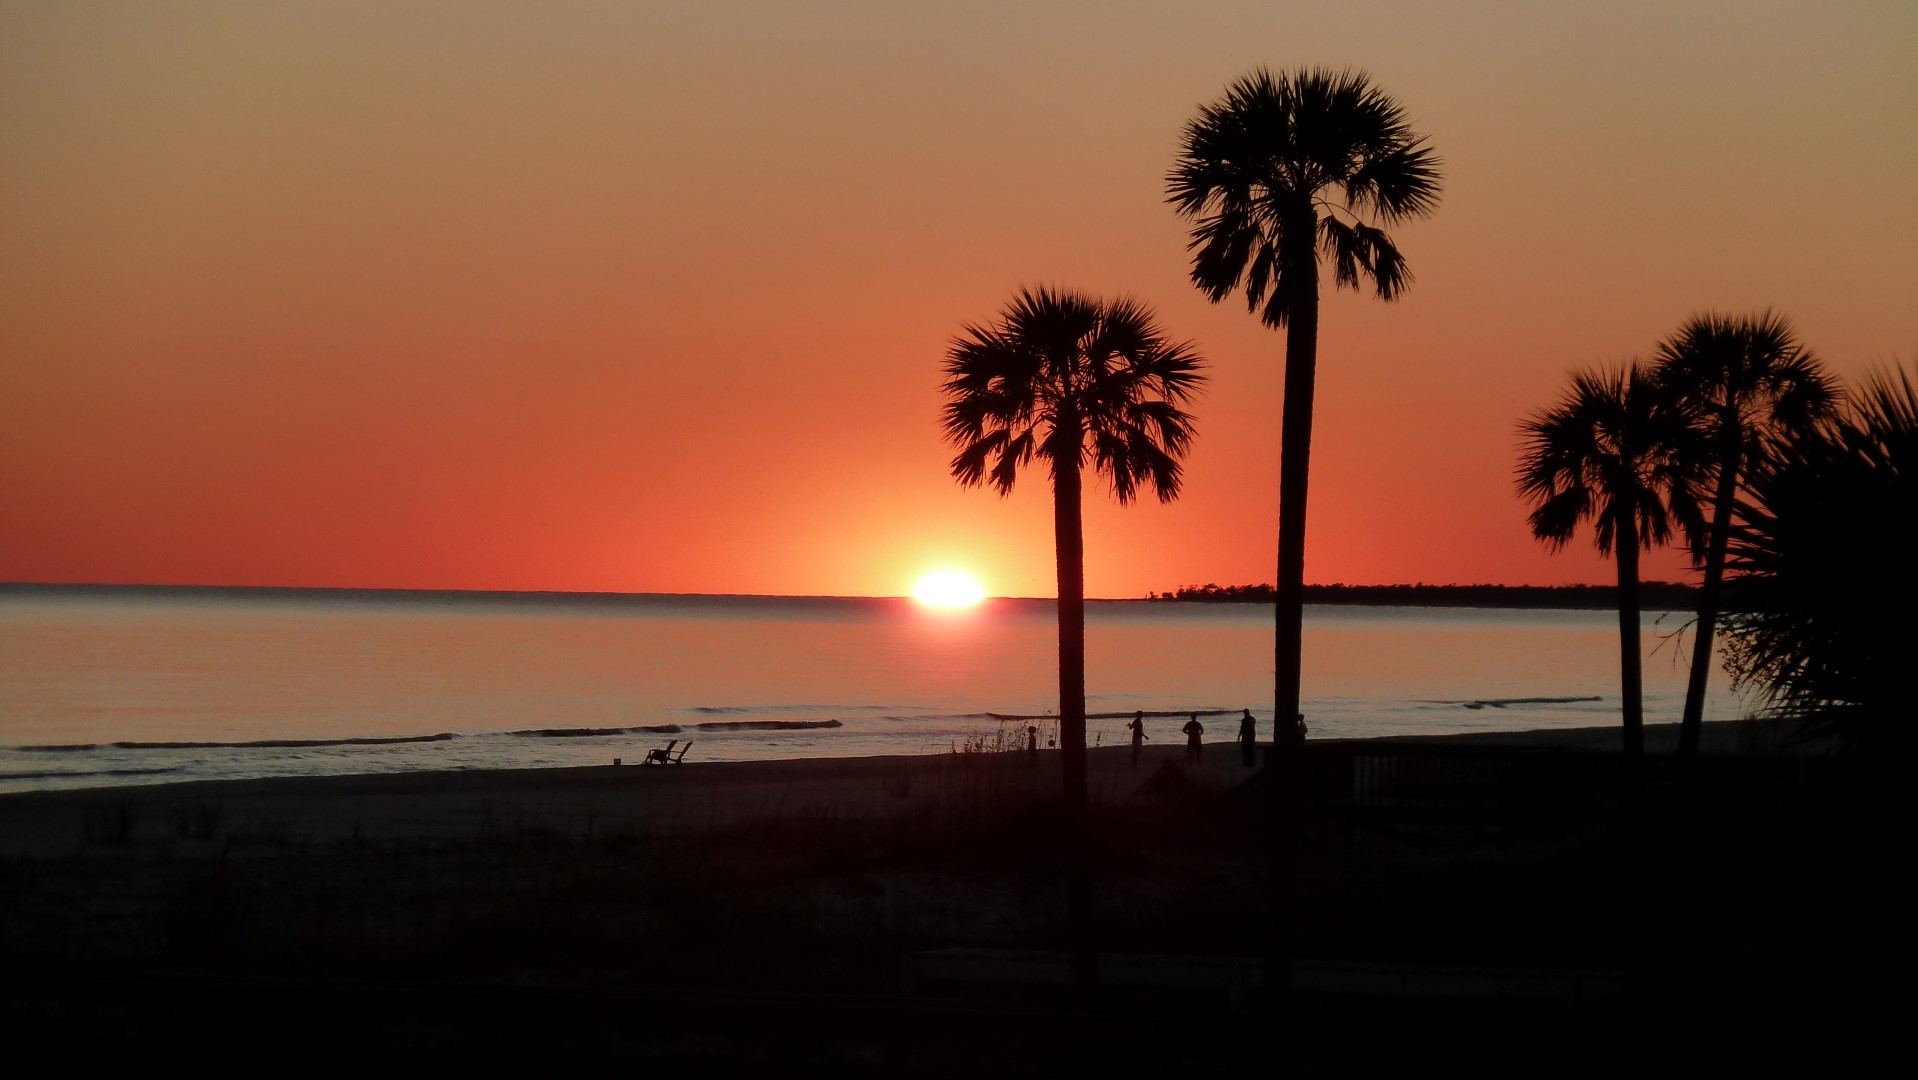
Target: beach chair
{"points": [[663, 756], [679, 757]]}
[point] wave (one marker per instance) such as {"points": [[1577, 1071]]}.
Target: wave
{"points": [[594, 732], [258, 744], [747, 710], [920, 717], [1110, 715], [766, 725], [675, 729], [1500, 703], [82, 775]]}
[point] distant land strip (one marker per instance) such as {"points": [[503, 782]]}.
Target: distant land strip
{"points": [[1653, 595]]}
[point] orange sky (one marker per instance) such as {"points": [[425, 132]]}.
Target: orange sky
{"points": [[647, 297]]}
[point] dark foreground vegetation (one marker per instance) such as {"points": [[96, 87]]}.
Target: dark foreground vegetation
{"points": [[1467, 910]]}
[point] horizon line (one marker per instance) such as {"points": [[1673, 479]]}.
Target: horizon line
{"points": [[612, 593]]}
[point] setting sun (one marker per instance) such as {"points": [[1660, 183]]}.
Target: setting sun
{"points": [[948, 589]]}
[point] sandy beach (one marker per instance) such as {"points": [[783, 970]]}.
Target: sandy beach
{"points": [[703, 882], [691, 798], [633, 800]]}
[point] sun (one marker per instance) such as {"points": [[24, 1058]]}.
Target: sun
{"points": [[948, 589]]}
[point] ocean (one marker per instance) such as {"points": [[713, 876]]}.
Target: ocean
{"points": [[110, 687]]}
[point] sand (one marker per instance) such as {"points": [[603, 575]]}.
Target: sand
{"points": [[648, 801], [773, 890], [691, 798]]}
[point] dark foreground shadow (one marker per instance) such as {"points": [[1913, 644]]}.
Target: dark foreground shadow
{"points": [[1744, 932]]}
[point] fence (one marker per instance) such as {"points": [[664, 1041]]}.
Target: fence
{"points": [[1436, 780]]}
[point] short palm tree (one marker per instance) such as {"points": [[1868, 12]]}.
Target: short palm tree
{"points": [[1746, 377], [1076, 383], [1619, 452], [1823, 583], [1281, 171]]}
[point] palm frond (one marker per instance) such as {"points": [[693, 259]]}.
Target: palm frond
{"points": [[1556, 519], [1616, 444], [1398, 184], [1821, 576], [1254, 167], [1746, 372], [969, 465], [1070, 379]]}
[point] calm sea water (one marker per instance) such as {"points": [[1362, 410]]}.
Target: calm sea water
{"points": [[119, 687]]}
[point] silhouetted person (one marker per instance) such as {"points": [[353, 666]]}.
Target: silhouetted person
{"points": [[1298, 731], [1137, 728], [1032, 740], [1192, 730], [1248, 739]]}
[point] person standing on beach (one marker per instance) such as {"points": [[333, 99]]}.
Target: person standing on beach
{"points": [[1137, 728], [1193, 729], [1248, 739]]}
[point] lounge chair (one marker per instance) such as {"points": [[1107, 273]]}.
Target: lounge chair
{"points": [[667, 756]]}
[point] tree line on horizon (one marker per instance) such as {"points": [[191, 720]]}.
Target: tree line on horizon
{"points": [[1669, 595]]}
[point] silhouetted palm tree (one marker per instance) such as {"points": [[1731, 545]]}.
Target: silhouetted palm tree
{"points": [[1620, 452], [1073, 382], [1280, 171], [1819, 605], [1745, 377]]}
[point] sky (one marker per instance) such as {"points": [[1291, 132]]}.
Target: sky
{"points": [[654, 297]]}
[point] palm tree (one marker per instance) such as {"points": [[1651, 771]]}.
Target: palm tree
{"points": [[1620, 452], [1746, 377], [1281, 171], [1074, 382], [1819, 604]]}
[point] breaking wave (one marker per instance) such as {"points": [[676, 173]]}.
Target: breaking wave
{"points": [[1500, 703], [592, 732], [767, 725], [256, 744], [748, 710], [83, 774]]}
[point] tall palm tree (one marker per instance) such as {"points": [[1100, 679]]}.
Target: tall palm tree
{"points": [[1073, 382], [1283, 170], [1746, 377], [1621, 453]]}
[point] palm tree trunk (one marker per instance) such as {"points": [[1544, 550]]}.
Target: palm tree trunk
{"points": [[1068, 534], [1691, 724], [1295, 459], [1631, 676]]}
